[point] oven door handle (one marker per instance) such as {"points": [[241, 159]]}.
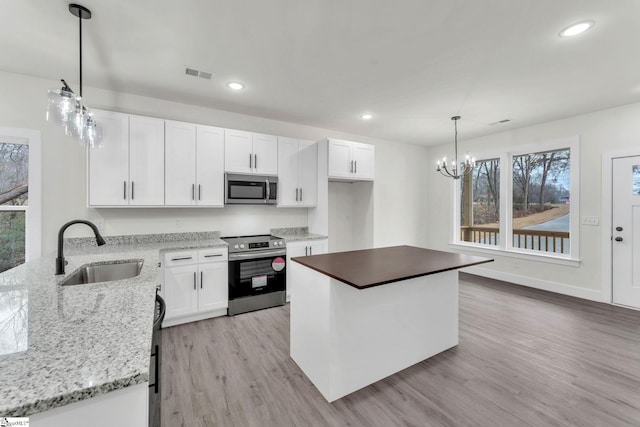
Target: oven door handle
{"points": [[257, 254]]}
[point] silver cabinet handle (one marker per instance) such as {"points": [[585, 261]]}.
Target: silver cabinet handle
{"points": [[212, 255], [181, 259], [193, 191], [300, 194], [199, 192], [201, 280], [306, 251], [124, 191], [194, 280], [355, 166], [255, 161], [250, 161], [310, 250], [132, 190], [351, 166], [296, 194]]}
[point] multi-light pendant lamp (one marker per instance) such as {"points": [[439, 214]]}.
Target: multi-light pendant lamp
{"points": [[68, 108], [458, 170]]}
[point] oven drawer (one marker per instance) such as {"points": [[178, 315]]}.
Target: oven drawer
{"points": [[172, 259], [213, 255]]}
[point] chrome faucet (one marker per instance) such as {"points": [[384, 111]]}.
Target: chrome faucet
{"points": [[60, 262]]}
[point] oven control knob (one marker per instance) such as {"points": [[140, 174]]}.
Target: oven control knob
{"points": [[280, 242], [235, 246], [242, 246]]}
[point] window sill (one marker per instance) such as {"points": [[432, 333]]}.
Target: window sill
{"points": [[571, 262]]}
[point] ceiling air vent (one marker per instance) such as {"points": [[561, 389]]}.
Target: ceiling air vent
{"points": [[197, 73], [500, 122]]}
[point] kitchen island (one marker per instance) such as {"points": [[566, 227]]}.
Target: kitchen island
{"points": [[360, 316]]}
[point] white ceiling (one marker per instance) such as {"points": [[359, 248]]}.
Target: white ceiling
{"points": [[412, 63]]}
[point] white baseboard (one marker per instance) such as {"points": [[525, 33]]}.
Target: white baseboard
{"points": [[546, 285]]}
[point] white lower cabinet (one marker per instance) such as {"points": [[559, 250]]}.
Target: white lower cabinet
{"points": [[194, 285], [303, 248]]}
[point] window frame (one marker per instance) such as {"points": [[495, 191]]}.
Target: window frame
{"points": [[33, 210], [505, 246]]}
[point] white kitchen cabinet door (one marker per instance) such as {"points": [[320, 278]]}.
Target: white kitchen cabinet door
{"points": [[210, 166], [340, 165], [180, 171], [265, 154], [302, 248], [288, 172], [213, 293], [308, 155], [109, 164], [146, 161], [180, 290], [363, 156], [238, 151]]}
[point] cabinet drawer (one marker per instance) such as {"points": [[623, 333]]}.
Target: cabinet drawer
{"points": [[172, 259], [213, 255]]}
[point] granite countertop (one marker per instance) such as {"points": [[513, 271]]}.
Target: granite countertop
{"points": [[62, 344], [293, 234], [374, 267]]}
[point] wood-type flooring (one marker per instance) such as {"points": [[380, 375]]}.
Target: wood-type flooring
{"points": [[526, 358]]}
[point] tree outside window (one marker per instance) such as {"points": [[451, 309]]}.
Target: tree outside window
{"points": [[480, 204], [14, 198]]}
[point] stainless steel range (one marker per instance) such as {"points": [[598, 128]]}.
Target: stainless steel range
{"points": [[257, 272]]}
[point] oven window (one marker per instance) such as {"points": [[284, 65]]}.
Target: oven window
{"points": [[260, 267], [246, 190]]}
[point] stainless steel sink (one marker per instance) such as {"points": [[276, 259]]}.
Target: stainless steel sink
{"points": [[104, 272]]}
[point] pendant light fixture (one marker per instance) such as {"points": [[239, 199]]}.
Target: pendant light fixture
{"points": [[457, 169], [68, 108]]}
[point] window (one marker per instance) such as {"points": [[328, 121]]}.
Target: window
{"points": [[20, 196], [529, 195], [480, 204]]}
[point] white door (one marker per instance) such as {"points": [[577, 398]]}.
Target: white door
{"points": [[109, 164], [238, 152], [146, 161], [214, 286], [288, 171], [180, 290], [626, 231], [308, 155], [340, 165], [210, 166], [363, 160], [265, 154], [180, 171]]}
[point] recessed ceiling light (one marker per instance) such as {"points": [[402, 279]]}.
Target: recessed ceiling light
{"points": [[576, 29], [366, 116], [235, 85]]}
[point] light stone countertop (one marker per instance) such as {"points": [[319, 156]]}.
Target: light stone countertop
{"points": [[63, 344], [294, 234]]}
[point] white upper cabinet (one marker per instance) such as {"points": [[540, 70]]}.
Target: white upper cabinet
{"points": [[351, 161], [247, 152], [128, 169], [194, 174], [297, 173]]}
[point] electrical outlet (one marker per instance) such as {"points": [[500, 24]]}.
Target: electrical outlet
{"points": [[590, 220]]}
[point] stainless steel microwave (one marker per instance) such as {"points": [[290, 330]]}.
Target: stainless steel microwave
{"points": [[250, 189]]}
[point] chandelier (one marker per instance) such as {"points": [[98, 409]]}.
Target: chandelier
{"points": [[457, 169], [67, 108]]}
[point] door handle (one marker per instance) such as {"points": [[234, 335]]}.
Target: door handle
{"points": [[618, 228], [194, 280], [355, 166], [296, 194], [193, 191], [181, 258], [301, 194], [124, 191], [199, 192], [619, 239], [351, 166], [132, 190], [310, 250], [306, 251], [250, 161], [201, 280]]}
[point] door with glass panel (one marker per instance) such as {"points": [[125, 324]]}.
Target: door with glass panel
{"points": [[626, 231]]}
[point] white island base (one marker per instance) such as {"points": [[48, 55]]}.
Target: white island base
{"points": [[344, 338]]}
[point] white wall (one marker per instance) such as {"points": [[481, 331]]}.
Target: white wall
{"points": [[603, 131], [23, 104]]}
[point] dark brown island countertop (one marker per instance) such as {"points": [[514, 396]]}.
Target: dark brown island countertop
{"points": [[374, 267]]}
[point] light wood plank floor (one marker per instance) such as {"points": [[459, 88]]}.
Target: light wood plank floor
{"points": [[526, 358]]}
